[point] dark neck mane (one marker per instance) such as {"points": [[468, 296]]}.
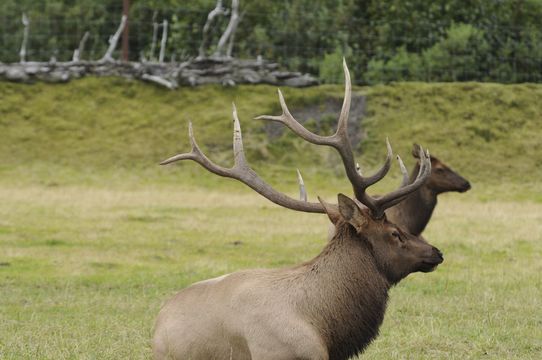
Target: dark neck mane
{"points": [[413, 213], [344, 294]]}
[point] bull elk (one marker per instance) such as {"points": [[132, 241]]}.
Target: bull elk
{"points": [[328, 308], [413, 213]]}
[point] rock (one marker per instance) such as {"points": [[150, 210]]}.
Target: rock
{"points": [[250, 76], [301, 81], [55, 76], [227, 72], [283, 75], [16, 73]]}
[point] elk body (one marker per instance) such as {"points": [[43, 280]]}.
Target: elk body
{"points": [[414, 212], [330, 307]]}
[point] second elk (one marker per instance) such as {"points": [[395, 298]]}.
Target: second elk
{"points": [[330, 307]]}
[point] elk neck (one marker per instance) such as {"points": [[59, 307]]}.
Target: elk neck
{"points": [[344, 294], [414, 212]]}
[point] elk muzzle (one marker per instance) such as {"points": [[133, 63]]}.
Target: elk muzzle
{"points": [[464, 187], [431, 262]]}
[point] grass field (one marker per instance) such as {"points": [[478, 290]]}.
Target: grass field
{"points": [[85, 270], [94, 236]]}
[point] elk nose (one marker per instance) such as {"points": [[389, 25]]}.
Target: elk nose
{"points": [[466, 186], [438, 253]]}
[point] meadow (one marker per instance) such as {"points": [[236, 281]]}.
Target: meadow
{"points": [[94, 235]]}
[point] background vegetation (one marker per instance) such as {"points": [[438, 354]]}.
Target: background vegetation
{"points": [[94, 235], [386, 40]]}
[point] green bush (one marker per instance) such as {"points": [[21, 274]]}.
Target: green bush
{"points": [[457, 56], [403, 66], [330, 68]]}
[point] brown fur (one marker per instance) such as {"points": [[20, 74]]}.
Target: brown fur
{"points": [[330, 307], [413, 213], [350, 301]]}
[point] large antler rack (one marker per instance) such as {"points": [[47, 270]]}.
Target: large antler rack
{"points": [[341, 143], [242, 171]]}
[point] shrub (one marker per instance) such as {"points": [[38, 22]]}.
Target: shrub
{"points": [[403, 66], [458, 56], [330, 70]]}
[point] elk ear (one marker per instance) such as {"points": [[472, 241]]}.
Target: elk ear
{"points": [[416, 150], [332, 211], [351, 213]]}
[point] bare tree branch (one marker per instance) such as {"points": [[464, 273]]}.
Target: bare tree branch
{"points": [[230, 30], [155, 27], [217, 11], [232, 37], [163, 42], [108, 56], [77, 52], [26, 23]]}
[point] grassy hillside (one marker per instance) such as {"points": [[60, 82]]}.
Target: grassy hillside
{"points": [[491, 133], [112, 131]]}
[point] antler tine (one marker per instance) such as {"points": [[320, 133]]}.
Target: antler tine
{"points": [[398, 195], [196, 155], [379, 175], [238, 151], [302, 190], [406, 178], [342, 125], [287, 119], [241, 171], [340, 142]]}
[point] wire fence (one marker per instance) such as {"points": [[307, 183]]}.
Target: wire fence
{"points": [[433, 56]]}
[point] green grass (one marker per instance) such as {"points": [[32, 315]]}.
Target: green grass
{"points": [[94, 235], [491, 132], [84, 271], [111, 131]]}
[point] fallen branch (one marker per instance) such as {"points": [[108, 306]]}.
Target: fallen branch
{"points": [[159, 80], [167, 74]]}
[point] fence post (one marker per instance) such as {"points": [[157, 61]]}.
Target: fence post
{"points": [[125, 33]]}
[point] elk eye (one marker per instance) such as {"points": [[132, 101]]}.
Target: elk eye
{"points": [[397, 235], [439, 170]]}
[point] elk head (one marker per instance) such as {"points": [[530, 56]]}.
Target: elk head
{"points": [[396, 252], [443, 178]]}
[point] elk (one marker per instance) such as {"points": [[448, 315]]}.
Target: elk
{"points": [[414, 212], [328, 308]]}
